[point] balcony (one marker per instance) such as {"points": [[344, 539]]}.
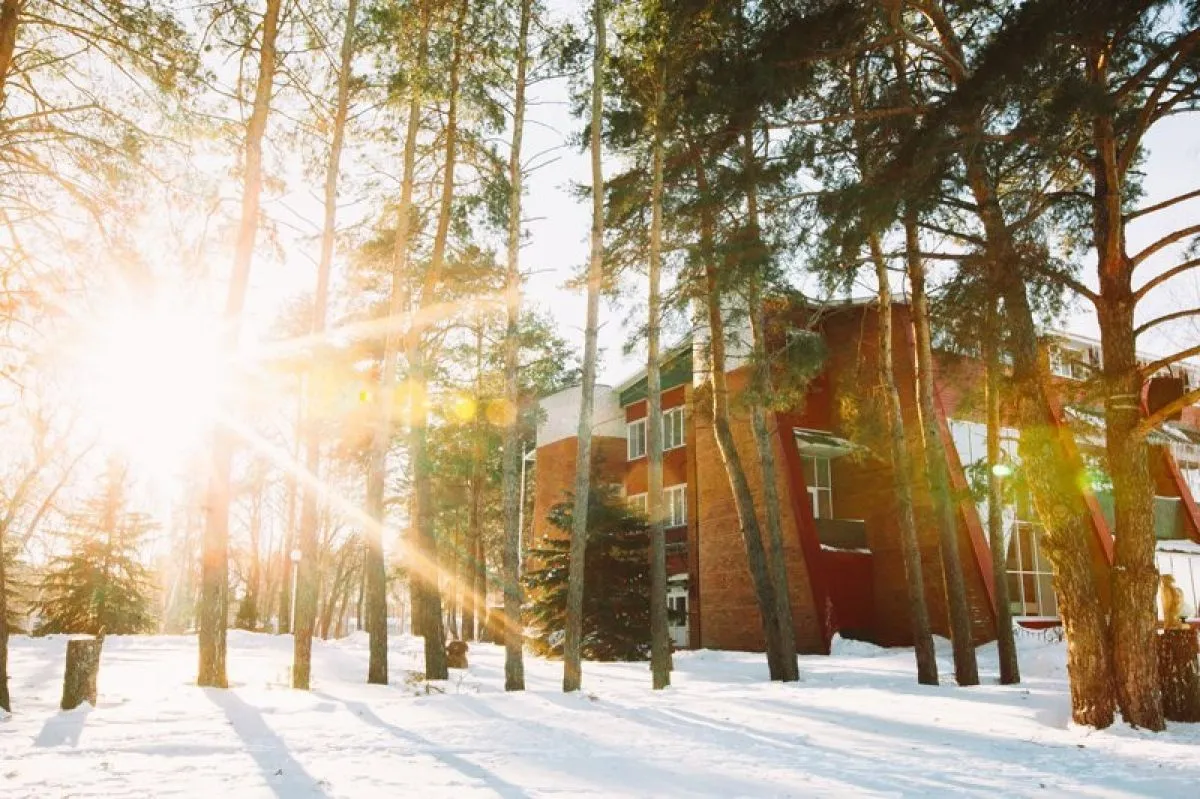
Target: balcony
{"points": [[846, 534]]}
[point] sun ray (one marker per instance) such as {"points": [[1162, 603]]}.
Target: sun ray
{"points": [[427, 569], [376, 328]]}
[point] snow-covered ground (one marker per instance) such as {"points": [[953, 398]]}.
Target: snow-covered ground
{"points": [[856, 725]]}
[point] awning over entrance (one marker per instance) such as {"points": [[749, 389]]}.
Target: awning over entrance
{"points": [[822, 444]]}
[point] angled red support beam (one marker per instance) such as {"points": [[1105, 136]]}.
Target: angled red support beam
{"points": [[1190, 508], [1067, 438], [966, 505], [806, 529]]}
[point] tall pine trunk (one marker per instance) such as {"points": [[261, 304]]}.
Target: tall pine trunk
{"points": [[514, 632], [966, 670], [475, 500], [375, 589], [1134, 631], [1047, 465], [306, 579], [660, 640], [763, 389], [572, 671], [5, 700], [428, 582], [1060, 509], [1050, 474], [743, 497], [902, 471], [214, 581], [1010, 671], [283, 623]]}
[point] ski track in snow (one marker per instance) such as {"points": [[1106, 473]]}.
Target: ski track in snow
{"points": [[857, 724]]}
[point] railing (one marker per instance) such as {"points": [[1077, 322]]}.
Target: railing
{"points": [[842, 533]]}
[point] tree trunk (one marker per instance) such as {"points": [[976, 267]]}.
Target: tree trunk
{"points": [[902, 470], [660, 636], [214, 584], [790, 668], [1135, 574], [1050, 475], [283, 624], [966, 670], [10, 19], [475, 503], [428, 578], [1179, 674], [743, 498], [83, 666], [1047, 466], [452, 598], [306, 582], [5, 700], [254, 578], [514, 639], [572, 672], [1010, 671], [398, 302]]}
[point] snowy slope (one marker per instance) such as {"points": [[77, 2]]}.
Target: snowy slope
{"points": [[857, 725]]}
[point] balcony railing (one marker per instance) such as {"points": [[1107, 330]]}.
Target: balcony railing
{"points": [[842, 533]]}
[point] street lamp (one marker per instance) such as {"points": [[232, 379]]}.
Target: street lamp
{"points": [[296, 555]]}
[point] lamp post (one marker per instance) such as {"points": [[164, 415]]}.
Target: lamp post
{"points": [[296, 554]]}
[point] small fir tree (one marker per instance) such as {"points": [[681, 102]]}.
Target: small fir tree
{"points": [[100, 584], [616, 606]]}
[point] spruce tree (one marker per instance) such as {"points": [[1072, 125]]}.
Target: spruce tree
{"points": [[616, 604], [100, 585]]}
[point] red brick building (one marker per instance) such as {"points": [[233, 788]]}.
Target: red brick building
{"points": [[841, 536]]}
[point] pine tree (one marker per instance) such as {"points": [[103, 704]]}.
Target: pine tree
{"points": [[616, 606], [572, 666], [214, 585], [100, 585]]}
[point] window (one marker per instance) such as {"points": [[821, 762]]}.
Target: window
{"points": [[674, 505], [673, 435], [1030, 579], [818, 479], [1059, 365], [636, 439], [676, 501]]}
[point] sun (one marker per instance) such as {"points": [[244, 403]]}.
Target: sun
{"points": [[150, 380]]}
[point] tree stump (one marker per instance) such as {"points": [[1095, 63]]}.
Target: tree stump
{"points": [[1179, 674], [83, 664], [456, 655]]}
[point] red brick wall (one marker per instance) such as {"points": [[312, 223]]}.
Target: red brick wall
{"points": [[729, 617], [556, 475]]}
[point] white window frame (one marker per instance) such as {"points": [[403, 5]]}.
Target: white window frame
{"points": [[638, 502], [675, 506], [1040, 602], [630, 438], [815, 491], [673, 425]]}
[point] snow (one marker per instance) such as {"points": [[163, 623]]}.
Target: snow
{"points": [[857, 724]]}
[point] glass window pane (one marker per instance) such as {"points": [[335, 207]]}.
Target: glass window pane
{"points": [[826, 499], [823, 473], [1049, 606]]}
